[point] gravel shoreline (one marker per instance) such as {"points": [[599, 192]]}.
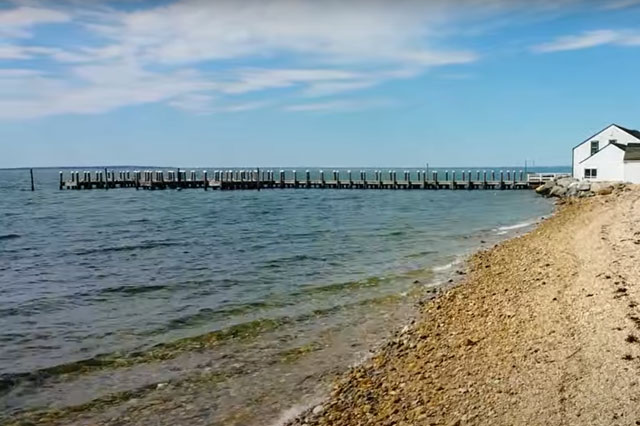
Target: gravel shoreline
{"points": [[543, 330]]}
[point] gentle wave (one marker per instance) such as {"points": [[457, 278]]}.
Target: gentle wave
{"points": [[54, 304], [169, 350], [421, 254], [446, 266], [9, 236], [128, 290], [132, 247], [337, 287], [284, 261]]}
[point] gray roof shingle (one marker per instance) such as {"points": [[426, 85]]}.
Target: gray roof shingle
{"points": [[632, 152]]}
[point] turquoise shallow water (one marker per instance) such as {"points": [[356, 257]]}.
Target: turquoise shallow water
{"points": [[84, 273]]}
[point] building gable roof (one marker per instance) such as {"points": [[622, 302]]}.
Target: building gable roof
{"points": [[617, 145], [634, 133]]}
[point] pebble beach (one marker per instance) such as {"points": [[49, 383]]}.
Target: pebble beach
{"points": [[543, 329]]}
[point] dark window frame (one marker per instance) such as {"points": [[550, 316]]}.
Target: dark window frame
{"points": [[596, 145], [590, 173]]}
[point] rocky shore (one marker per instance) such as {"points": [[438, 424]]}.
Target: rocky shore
{"points": [[544, 330], [572, 187]]}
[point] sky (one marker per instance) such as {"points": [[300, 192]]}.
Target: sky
{"points": [[263, 83]]}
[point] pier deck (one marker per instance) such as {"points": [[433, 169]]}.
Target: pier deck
{"points": [[256, 180]]}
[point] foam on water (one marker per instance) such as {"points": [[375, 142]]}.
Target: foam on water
{"points": [[516, 226]]}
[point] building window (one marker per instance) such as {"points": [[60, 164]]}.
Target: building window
{"points": [[595, 146], [613, 140], [590, 173]]}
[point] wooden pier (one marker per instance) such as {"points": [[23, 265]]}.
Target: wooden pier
{"points": [[268, 179]]}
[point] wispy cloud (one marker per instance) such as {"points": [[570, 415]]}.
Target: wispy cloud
{"points": [[177, 53], [620, 4], [590, 39], [209, 56], [340, 105], [17, 22]]}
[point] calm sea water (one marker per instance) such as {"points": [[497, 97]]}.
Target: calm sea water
{"points": [[280, 275]]}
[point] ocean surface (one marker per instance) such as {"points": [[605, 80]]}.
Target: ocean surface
{"points": [[244, 302]]}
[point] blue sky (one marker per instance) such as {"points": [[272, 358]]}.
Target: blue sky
{"points": [[313, 83]]}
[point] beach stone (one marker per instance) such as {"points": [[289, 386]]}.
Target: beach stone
{"points": [[318, 409]]}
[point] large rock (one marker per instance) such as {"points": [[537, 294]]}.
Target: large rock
{"points": [[599, 186], [570, 187], [542, 190], [558, 191], [572, 190], [546, 187], [583, 185], [605, 191], [565, 182]]}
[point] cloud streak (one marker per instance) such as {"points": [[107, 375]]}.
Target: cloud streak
{"points": [[590, 39], [17, 22], [340, 105]]}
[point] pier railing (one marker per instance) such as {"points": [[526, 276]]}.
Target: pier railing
{"points": [[536, 179], [257, 179]]}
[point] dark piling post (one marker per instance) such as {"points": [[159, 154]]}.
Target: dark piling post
{"points": [[106, 179], [33, 188], [61, 179], [258, 179]]}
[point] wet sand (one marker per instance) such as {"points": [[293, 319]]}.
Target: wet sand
{"points": [[544, 329]]}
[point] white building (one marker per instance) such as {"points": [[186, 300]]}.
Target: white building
{"points": [[613, 154]]}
